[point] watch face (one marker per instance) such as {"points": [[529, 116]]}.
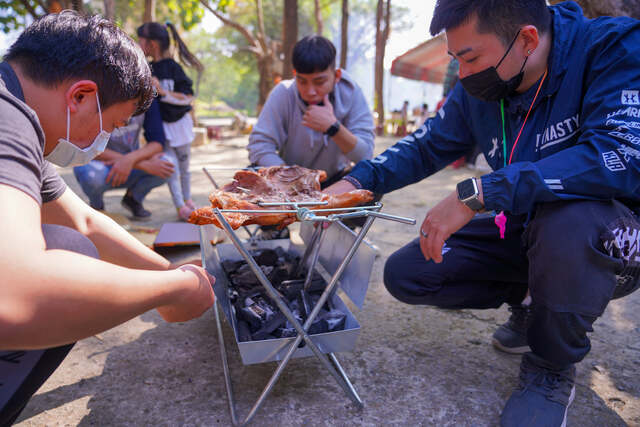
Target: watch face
{"points": [[466, 189]]}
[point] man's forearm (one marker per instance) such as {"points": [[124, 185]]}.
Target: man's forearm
{"points": [[85, 297], [144, 153], [345, 140], [116, 245]]}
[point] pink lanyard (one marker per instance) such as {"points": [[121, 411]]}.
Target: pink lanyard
{"points": [[501, 218]]}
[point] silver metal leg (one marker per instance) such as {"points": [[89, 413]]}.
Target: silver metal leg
{"points": [[225, 366], [330, 362]]}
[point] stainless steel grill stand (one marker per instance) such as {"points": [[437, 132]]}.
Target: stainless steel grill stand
{"points": [[330, 362]]}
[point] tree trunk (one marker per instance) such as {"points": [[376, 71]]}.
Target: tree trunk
{"points": [[344, 34], [77, 5], [110, 10], [289, 35], [383, 18], [265, 84], [595, 8], [318, 15], [149, 11]]}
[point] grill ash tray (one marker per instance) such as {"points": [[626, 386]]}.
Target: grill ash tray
{"points": [[261, 331]]}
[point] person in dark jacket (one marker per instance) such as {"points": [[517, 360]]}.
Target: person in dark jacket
{"points": [[553, 100]]}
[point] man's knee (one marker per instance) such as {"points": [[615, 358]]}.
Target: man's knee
{"points": [[405, 285], [60, 237], [91, 176]]}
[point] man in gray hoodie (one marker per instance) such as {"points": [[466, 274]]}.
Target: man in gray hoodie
{"points": [[318, 120]]}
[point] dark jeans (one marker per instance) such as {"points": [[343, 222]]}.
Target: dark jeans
{"points": [[23, 372], [566, 256], [92, 177]]}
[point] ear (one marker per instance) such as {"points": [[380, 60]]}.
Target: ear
{"points": [[531, 38], [338, 74], [79, 93]]}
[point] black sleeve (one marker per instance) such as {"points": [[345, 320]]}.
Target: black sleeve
{"points": [[182, 83]]}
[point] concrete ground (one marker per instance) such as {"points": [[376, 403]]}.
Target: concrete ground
{"points": [[411, 365]]}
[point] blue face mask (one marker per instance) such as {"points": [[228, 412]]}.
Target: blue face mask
{"points": [[68, 154]]}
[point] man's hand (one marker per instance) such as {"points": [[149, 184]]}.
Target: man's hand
{"points": [[157, 166], [447, 217], [195, 297], [120, 170], [339, 187], [319, 117], [156, 83]]}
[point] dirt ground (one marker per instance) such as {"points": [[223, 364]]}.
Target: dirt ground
{"points": [[412, 365]]}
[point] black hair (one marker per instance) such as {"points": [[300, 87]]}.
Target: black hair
{"points": [[313, 54], [502, 17], [68, 45], [159, 32]]}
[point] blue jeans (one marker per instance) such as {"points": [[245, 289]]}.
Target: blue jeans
{"points": [[92, 177]]}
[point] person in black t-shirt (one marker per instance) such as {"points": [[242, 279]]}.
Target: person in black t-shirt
{"points": [[69, 271], [176, 95]]}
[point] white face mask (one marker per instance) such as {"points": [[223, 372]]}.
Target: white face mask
{"points": [[68, 154]]}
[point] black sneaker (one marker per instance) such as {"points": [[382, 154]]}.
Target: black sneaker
{"points": [[135, 207], [511, 337], [543, 395]]}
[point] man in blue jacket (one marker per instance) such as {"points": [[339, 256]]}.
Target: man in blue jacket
{"points": [[553, 100]]}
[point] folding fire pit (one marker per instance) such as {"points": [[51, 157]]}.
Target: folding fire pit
{"points": [[276, 320]]}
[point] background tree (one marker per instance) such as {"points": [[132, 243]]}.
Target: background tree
{"points": [[289, 35], [263, 47], [383, 19], [318, 15], [344, 34]]}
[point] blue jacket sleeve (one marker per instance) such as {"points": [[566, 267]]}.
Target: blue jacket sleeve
{"points": [[438, 142], [153, 131], [605, 162]]}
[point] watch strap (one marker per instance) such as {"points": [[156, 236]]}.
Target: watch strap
{"points": [[333, 129]]}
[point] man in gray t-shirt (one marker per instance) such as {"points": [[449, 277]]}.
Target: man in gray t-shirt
{"points": [[68, 271]]}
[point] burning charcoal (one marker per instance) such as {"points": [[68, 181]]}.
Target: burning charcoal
{"points": [[233, 295], [291, 288], [269, 327], [245, 277], [256, 311], [319, 326], [244, 334], [230, 267], [287, 332], [334, 320], [266, 257]]}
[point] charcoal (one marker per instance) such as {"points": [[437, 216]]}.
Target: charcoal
{"points": [[231, 267], [258, 317], [269, 326], [256, 311], [333, 320], [267, 257], [244, 334], [245, 277]]}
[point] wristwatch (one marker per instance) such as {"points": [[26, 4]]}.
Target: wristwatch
{"points": [[468, 194], [333, 129]]}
